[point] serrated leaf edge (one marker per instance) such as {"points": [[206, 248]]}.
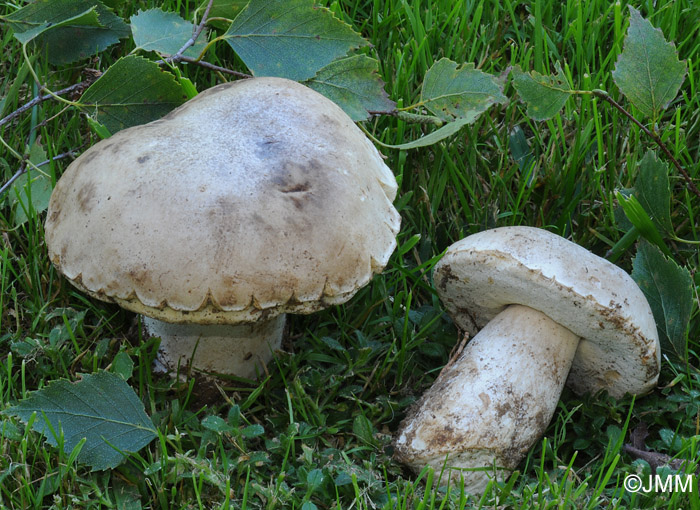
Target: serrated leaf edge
{"points": [[490, 100], [634, 11]]}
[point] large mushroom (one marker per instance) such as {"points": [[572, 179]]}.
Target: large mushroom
{"points": [[547, 311], [254, 199]]}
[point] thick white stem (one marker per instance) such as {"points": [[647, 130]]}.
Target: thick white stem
{"points": [[239, 350], [494, 402]]}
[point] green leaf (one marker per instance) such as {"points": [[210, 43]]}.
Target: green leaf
{"points": [[76, 36], [234, 415], [13, 466], [342, 479], [132, 91], [123, 365], [314, 479], [354, 84], [289, 38], [99, 129], [439, 134], [253, 431], [226, 9], [100, 407], [522, 153], [648, 71], [652, 189], [26, 347], [13, 92], [216, 423], [9, 431], [32, 190], [187, 86], [126, 494], [544, 95], [333, 344], [669, 290], [640, 219], [85, 19], [362, 428], [451, 92], [164, 32]]}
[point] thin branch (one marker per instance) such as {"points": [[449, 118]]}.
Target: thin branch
{"points": [[689, 181], [23, 168], [213, 67], [76, 88], [180, 57], [190, 42], [206, 65], [654, 459], [18, 173]]}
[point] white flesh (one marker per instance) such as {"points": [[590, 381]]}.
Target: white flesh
{"points": [[241, 350], [494, 402]]}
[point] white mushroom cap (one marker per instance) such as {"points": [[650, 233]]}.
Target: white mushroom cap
{"points": [[619, 348], [255, 198]]}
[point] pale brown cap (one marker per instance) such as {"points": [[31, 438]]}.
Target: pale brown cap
{"points": [[255, 198], [599, 302]]}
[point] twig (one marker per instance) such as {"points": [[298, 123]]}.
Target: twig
{"points": [[689, 181], [177, 57], [654, 459], [18, 173], [77, 87], [23, 168], [180, 57], [213, 67]]}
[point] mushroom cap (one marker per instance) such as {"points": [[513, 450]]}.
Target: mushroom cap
{"points": [[619, 347], [255, 198]]}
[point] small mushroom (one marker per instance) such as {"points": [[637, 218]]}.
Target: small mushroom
{"points": [[547, 311], [255, 199]]}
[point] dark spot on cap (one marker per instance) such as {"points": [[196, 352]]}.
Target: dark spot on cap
{"points": [[86, 196], [297, 188], [115, 147], [269, 148], [141, 278], [89, 157], [298, 202], [55, 214]]}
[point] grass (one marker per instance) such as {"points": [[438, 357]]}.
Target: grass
{"points": [[315, 430]]}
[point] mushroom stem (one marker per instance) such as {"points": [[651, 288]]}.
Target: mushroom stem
{"points": [[241, 350], [490, 406]]}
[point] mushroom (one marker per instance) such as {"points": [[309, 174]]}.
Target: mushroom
{"points": [[255, 199], [547, 311]]}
